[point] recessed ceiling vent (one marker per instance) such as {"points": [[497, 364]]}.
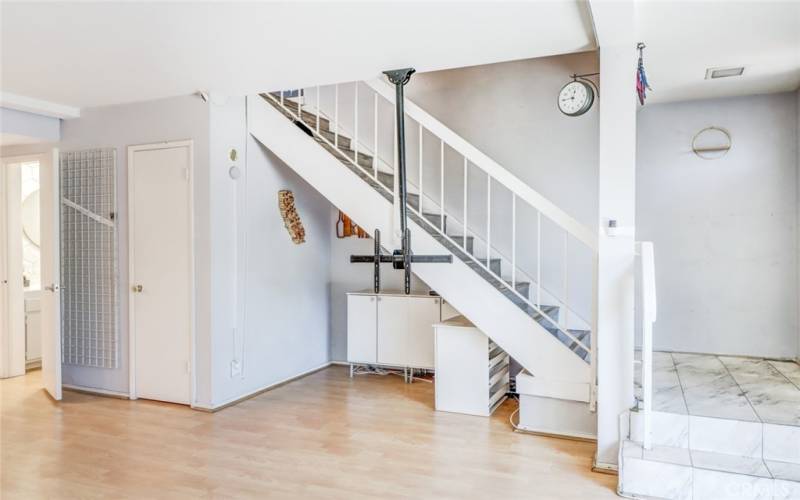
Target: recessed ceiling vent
{"points": [[713, 73]]}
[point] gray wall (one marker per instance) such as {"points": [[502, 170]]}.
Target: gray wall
{"points": [[271, 298], [120, 127], [725, 231], [508, 111]]}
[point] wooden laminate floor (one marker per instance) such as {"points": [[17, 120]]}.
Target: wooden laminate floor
{"points": [[324, 436]]}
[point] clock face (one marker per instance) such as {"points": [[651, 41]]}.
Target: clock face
{"points": [[575, 98]]}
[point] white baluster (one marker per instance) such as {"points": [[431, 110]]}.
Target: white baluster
{"points": [[538, 258], [318, 109], [466, 176], [488, 220], [300, 105], [282, 97], [441, 185], [513, 241], [420, 167], [375, 138], [566, 281], [336, 115], [355, 124]]}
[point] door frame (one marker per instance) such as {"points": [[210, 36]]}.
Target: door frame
{"points": [[132, 150], [12, 343]]}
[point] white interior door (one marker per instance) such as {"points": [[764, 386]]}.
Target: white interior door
{"points": [[161, 271], [12, 316], [50, 205]]}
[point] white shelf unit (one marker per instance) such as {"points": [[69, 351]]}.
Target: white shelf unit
{"points": [[472, 372], [392, 329]]}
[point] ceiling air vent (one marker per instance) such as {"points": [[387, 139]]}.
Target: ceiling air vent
{"points": [[712, 73]]}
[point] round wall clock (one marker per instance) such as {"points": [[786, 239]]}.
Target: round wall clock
{"points": [[575, 98]]}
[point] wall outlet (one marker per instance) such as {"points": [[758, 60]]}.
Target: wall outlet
{"points": [[236, 368]]}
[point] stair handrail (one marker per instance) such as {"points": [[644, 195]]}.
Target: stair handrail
{"points": [[648, 317], [491, 167]]}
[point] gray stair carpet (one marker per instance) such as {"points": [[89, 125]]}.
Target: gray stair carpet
{"points": [[383, 183]]}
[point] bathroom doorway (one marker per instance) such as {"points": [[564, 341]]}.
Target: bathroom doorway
{"points": [[22, 283]]}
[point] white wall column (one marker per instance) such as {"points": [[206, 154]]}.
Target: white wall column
{"points": [[617, 201], [614, 27]]}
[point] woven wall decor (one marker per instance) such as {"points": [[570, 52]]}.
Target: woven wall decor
{"points": [[291, 219]]}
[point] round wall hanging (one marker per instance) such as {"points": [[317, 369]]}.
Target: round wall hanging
{"points": [[711, 143]]}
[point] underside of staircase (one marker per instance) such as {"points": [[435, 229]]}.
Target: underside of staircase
{"points": [[523, 334], [345, 154]]}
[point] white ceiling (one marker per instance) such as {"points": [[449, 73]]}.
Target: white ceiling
{"points": [[92, 54], [685, 38]]}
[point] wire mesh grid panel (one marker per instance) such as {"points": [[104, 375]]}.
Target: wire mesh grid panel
{"points": [[89, 269]]}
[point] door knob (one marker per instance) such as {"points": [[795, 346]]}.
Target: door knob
{"points": [[52, 288], [137, 288]]}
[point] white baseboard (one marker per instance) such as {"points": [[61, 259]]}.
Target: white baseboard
{"points": [[96, 392], [256, 392], [604, 468]]}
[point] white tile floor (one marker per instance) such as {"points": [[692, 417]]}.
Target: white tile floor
{"points": [[749, 389]]}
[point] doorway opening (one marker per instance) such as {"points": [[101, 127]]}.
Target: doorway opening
{"points": [[20, 235]]}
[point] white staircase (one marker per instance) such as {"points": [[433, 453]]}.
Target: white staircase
{"points": [[512, 247]]}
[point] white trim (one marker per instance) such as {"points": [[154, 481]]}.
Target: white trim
{"points": [[604, 468], [237, 399], [38, 106], [559, 434], [492, 168], [188, 143]]}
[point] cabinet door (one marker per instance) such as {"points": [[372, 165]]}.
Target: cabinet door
{"points": [[392, 330], [361, 329], [423, 313]]}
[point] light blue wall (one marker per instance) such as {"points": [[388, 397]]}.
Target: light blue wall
{"points": [[270, 297], [142, 123], [37, 127]]}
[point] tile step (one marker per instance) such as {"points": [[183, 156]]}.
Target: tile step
{"points": [[677, 472], [718, 435]]}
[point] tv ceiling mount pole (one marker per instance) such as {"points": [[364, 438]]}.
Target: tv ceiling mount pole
{"points": [[404, 257]]}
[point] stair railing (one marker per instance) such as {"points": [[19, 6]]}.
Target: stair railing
{"points": [[644, 250], [295, 103]]}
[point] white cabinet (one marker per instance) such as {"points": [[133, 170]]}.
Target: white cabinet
{"points": [[362, 318], [423, 313], [391, 329], [472, 372]]}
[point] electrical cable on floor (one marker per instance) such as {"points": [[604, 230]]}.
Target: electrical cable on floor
{"points": [[515, 426], [374, 370]]}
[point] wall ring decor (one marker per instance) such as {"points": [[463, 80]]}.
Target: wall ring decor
{"points": [[711, 143]]}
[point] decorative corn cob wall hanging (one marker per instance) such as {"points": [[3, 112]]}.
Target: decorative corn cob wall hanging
{"points": [[291, 219]]}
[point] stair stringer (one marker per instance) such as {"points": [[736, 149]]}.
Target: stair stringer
{"points": [[513, 330]]}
